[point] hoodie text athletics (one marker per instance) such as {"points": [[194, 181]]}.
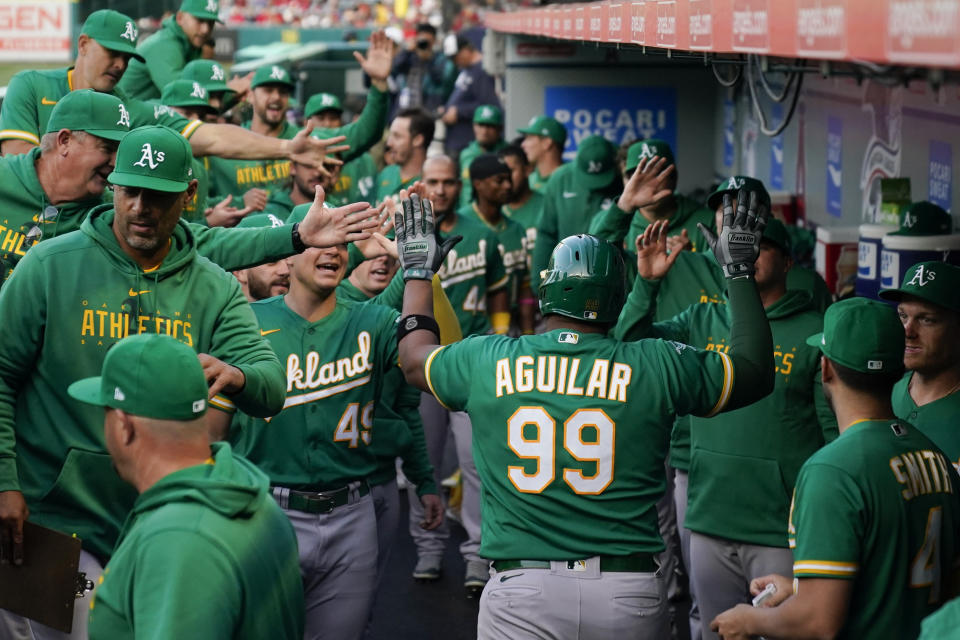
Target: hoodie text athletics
{"points": [[235, 573], [67, 302]]}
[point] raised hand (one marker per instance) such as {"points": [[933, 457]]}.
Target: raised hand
{"points": [[323, 227], [737, 245], [648, 185], [313, 151], [653, 260], [420, 251], [379, 59], [223, 215]]}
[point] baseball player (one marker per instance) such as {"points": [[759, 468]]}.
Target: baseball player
{"points": [[356, 180], [299, 188], [928, 303], [213, 78], [191, 100], [265, 280], [169, 575], [572, 429], [408, 139], [743, 463], [875, 516], [487, 138], [525, 205], [475, 281], [105, 44], [543, 141], [132, 268], [575, 193], [340, 357]]}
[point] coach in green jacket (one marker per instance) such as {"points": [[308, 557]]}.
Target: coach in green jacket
{"points": [[744, 463], [166, 52]]}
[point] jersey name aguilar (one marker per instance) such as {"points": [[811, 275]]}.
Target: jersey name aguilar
{"points": [[457, 268], [330, 378], [563, 375]]}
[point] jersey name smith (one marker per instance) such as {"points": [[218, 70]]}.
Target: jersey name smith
{"points": [[922, 473], [564, 376]]}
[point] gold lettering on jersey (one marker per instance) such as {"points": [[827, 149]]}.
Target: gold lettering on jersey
{"points": [[921, 473], [263, 173], [12, 241], [317, 375], [458, 265], [100, 323], [562, 375]]}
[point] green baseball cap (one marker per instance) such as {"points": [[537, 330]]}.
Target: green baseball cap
{"points": [[595, 162], [203, 9], [208, 73], [924, 219], [150, 375], [272, 74], [546, 127], [322, 102], [488, 114], [153, 157], [100, 114], [260, 221], [113, 30], [861, 334], [648, 149], [185, 93], [936, 282], [776, 232], [732, 185]]}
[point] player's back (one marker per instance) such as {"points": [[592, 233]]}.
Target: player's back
{"points": [[904, 491], [570, 433]]}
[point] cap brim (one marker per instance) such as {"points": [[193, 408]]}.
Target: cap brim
{"points": [[530, 131], [816, 340], [147, 182], [87, 390], [206, 15], [594, 180], [108, 134], [122, 47], [290, 85]]}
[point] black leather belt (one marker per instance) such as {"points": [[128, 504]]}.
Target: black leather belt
{"points": [[319, 501], [634, 563]]}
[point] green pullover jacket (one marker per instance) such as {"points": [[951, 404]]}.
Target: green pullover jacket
{"points": [[69, 301], [206, 553]]}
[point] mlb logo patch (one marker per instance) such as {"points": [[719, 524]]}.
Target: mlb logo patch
{"points": [[199, 405], [875, 365], [568, 338]]}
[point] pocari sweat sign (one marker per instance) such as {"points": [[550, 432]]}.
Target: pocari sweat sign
{"points": [[620, 114]]}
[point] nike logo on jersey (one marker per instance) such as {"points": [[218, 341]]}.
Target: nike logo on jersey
{"points": [[47, 102], [515, 575], [569, 194], [134, 294], [268, 331]]}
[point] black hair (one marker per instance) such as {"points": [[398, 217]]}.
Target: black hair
{"points": [[515, 151], [421, 124], [878, 385], [426, 27]]}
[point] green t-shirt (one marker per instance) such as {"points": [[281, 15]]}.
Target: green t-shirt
{"points": [[468, 155], [31, 96], [356, 183], [937, 420], [513, 249], [389, 182], [209, 534], [570, 433], [236, 177], [473, 269], [879, 506], [529, 217], [335, 371], [166, 52]]}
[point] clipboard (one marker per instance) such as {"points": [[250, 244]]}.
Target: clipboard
{"points": [[44, 587]]}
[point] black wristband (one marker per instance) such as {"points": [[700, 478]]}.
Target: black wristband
{"points": [[414, 322], [298, 244]]}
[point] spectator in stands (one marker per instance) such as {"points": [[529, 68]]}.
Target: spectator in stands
{"points": [[474, 87]]}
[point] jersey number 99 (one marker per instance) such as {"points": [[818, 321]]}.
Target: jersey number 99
{"points": [[542, 448]]}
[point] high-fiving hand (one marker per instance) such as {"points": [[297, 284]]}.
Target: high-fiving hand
{"points": [[737, 245], [420, 251]]}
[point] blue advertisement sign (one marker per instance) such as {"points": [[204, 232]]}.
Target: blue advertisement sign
{"points": [[941, 174], [835, 166], [776, 151], [729, 131], [620, 114]]}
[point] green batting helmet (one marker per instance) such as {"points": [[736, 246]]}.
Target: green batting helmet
{"points": [[584, 280]]}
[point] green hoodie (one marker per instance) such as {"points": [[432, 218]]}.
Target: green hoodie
{"points": [[67, 303], [744, 463], [166, 53], [205, 553]]}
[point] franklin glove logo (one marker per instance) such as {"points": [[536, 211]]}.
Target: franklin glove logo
{"points": [[124, 120], [149, 158], [740, 237], [416, 247], [129, 32]]}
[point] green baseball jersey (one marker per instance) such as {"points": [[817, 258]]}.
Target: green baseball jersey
{"points": [[71, 299], [335, 375], [570, 433], [356, 182], [236, 177], [195, 211], [528, 216], [879, 506], [568, 208], [389, 182], [937, 420], [512, 241], [209, 534], [166, 52], [473, 269], [468, 155], [537, 182], [31, 95]]}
